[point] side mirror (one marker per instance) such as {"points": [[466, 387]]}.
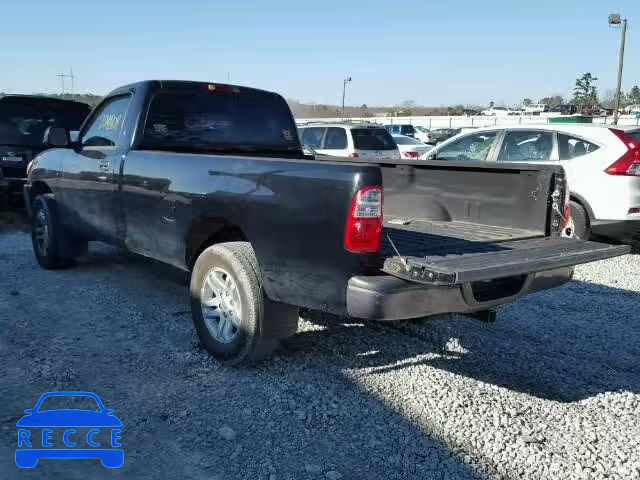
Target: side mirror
{"points": [[57, 137], [307, 150]]}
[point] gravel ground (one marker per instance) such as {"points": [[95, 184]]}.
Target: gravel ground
{"points": [[552, 390]]}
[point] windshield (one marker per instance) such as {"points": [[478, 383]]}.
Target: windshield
{"points": [[372, 139], [24, 120], [66, 402], [212, 121], [407, 141]]}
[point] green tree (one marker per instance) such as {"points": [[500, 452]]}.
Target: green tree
{"points": [[526, 102], [633, 97], [584, 92]]}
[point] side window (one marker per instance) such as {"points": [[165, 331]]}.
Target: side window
{"points": [[336, 139], [472, 148], [526, 145], [573, 147], [104, 130], [312, 136]]}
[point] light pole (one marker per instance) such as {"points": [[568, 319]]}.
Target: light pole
{"points": [[614, 21], [344, 89]]}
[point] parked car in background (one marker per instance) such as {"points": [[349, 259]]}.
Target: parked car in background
{"points": [[441, 134], [499, 112], [401, 129], [23, 122], [422, 134], [602, 165], [536, 108], [368, 141], [565, 109], [410, 147]]}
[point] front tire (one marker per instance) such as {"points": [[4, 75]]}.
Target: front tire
{"points": [[47, 234], [228, 305]]}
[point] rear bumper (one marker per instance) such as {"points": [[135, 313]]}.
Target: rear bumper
{"points": [[384, 297], [622, 230]]}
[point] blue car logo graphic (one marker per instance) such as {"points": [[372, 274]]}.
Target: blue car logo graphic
{"points": [[65, 433]]}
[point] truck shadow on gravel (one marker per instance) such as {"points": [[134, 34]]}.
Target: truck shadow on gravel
{"points": [[565, 345]]}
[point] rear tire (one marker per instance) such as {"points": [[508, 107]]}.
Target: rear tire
{"points": [[580, 217], [229, 306], [54, 246]]}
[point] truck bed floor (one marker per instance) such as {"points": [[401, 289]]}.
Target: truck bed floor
{"points": [[445, 238]]}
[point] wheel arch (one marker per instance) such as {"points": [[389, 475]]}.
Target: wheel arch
{"points": [[581, 200], [208, 231]]}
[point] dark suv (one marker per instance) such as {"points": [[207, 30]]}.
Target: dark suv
{"points": [[23, 122]]}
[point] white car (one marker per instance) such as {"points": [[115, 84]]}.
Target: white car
{"points": [[498, 112], [422, 134], [410, 147], [602, 164], [367, 141], [535, 108]]}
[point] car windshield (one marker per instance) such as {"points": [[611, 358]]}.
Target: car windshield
{"points": [[407, 141], [372, 139], [24, 120], [67, 402], [242, 120]]}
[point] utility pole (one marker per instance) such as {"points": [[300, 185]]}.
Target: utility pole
{"points": [[614, 20], [344, 89], [71, 76]]}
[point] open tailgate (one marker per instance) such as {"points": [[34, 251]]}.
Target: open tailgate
{"points": [[451, 266]]}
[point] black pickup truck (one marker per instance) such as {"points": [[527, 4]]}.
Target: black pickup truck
{"points": [[23, 121], [211, 178]]}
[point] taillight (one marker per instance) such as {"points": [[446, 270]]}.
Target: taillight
{"points": [[411, 154], [629, 163], [353, 155], [364, 221]]}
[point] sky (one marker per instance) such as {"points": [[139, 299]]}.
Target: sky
{"points": [[431, 52]]}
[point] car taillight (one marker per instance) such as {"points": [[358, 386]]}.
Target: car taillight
{"points": [[364, 221], [629, 163], [411, 154]]}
